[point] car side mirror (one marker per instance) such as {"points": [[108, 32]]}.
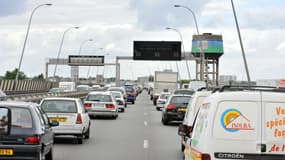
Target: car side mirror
{"points": [[183, 130], [54, 123], [5, 121]]}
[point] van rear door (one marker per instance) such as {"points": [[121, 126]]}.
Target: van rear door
{"points": [[273, 126]]}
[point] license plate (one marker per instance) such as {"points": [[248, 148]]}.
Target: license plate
{"points": [[58, 119], [6, 152], [182, 109]]}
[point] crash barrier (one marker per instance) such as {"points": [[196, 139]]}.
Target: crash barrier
{"points": [[11, 87], [37, 97]]}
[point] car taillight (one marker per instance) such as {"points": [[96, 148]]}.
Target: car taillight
{"points": [[78, 119], [34, 139], [110, 106], [87, 105], [170, 106]]}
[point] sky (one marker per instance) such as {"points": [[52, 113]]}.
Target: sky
{"points": [[115, 24]]}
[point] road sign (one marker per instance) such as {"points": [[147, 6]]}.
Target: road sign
{"points": [[157, 50], [85, 60]]}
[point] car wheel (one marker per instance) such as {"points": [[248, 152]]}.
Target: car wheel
{"points": [[157, 108], [133, 102], [79, 139], [164, 120], [49, 155], [87, 134], [126, 105], [122, 109]]}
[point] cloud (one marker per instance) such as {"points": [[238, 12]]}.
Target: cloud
{"points": [[156, 15], [12, 7]]}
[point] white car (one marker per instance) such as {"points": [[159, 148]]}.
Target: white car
{"points": [[161, 100], [72, 117], [120, 100], [101, 104]]}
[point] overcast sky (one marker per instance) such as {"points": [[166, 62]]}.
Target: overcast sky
{"points": [[115, 24]]}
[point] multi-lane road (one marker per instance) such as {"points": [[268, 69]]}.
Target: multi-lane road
{"points": [[137, 134]]}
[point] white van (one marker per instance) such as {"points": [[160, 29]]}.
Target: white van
{"points": [[240, 123], [192, 109]]}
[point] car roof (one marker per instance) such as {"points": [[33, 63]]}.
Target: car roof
{"points": [[104, 93], [60, 98], [17, 104], [116, 92]]}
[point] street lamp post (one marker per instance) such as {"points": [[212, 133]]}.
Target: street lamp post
{"points": [[60, 47], [241, 45], [26, 37], [180, 35], [198, 33], [87, 40]]}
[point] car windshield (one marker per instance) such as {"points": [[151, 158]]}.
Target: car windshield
{"points": [[129, 89], [99, 98], [180, 100], [59, 106]]}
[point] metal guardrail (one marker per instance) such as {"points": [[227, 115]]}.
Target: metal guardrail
{"points": [[37, 97]]}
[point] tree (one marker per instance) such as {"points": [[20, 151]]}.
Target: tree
{"points": [[12, 74], [39, 77]]}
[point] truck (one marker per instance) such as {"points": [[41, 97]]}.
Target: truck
{"points": [[164, 81], [67, 86]]}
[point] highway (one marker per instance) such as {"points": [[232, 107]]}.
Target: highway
{"points": [[137, 134]]}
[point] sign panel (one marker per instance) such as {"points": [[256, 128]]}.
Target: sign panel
{"points": [[85, 60], [157, 50]]}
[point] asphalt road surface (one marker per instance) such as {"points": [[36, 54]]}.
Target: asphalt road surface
{"points": [[137, 134]]}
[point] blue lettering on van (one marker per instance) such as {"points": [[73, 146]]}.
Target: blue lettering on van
{"points": [[232, 120]]}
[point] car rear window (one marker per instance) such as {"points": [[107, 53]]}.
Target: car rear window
{"points": [[99, 98], [21, 118], [187, 92], [164, 96], [116, 95], [180, 100], [59, 106], [129, 89]]}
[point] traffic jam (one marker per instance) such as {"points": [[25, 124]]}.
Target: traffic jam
{"points": [[28, 129], [230, 116]]}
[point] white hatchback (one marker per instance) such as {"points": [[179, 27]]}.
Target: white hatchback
{"points": [[72, 117]]}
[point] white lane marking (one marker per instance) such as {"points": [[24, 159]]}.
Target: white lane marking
{"points": [[145, 144], [145, 123]]}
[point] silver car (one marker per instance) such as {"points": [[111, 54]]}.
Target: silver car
{"points": [[101, 104], [120, 100], [71, 115], [161, 100]]}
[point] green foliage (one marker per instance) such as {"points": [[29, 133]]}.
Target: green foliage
{"points": [[39, 77], [12, 74]]}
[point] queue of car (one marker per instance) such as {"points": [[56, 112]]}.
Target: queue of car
{"points": [[27, 130]]}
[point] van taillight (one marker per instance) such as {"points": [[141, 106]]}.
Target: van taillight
{"points": [[110, 106], [87, 105], [200, 155], [170, 106], [33, 140], [78, 119], [206, 157]]}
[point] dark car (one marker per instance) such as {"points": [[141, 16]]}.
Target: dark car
{"points": [[175, 108], [131, 93], [30, 135]]}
